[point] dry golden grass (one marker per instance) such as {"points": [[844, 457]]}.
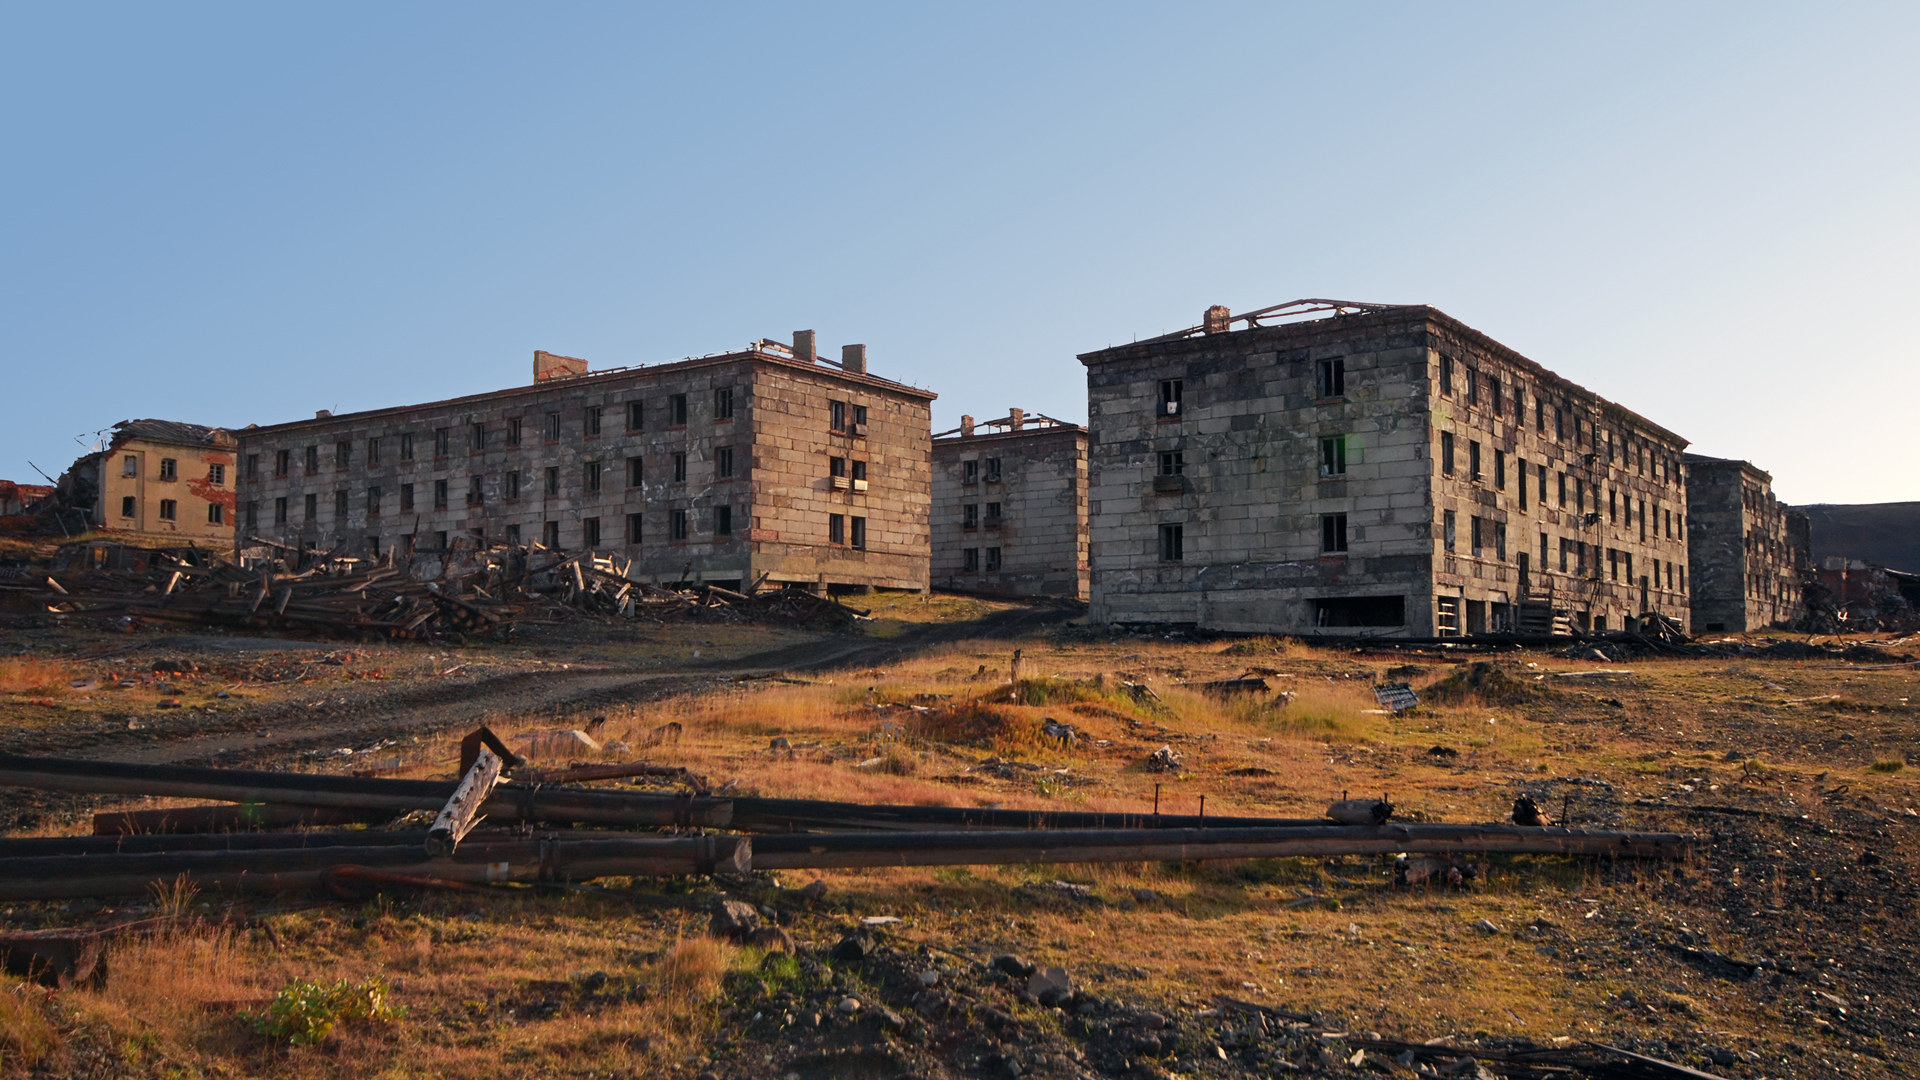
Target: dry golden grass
{"points": [[32, 675], [26, 1033]]}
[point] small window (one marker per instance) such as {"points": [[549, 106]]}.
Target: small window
{"points": [[1446, 453], [1499, 470], [553, 427], [860, 471], [993, 470], [1473, 387], [406, 498], [511, 486], [633, 528], [1563, 491], [1539, 415], [636, 416], [169, 510], [1474, 532], [590, 423], [1520, 475], [1473, 459], [340, 504], [1333, 534], [836, 528], [723, 403], [406, 448], [313, 459], [1446, 375], [634, 472], [970, 560], [280, 510], [252, 515], [513, 433], [1449, 530], [723, 525], [442, 442], [860, 419], [969, 472], [677, 410], [311, 507], [130, 465], [590, 532], [993, 560], [439, 494], [723, 463], [592, 477], [253, 467], [857, 533], [373, 501], [679, 468], [1333, 377], [1333, 456], [1172, 463], [476, 491], [1493, 395], [217, 475], [169, 469], [550, 535], [552, 486], [970, 516], [373, 453], [993, 515], [836, 415], [1172, 543], [342, 454], [282, 462], [1559, 423], [126, 506], [1500, 540], [836, 466], [440, 541], [477, 438], [1170, 391], [677, 524]]}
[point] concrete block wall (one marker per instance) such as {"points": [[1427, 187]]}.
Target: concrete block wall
{"points": [[1042, 492], [1746, 563], [537, 485], [1623, 517]]}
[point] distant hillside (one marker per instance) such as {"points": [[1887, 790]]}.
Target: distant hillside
{"points": [[1886, 534]]}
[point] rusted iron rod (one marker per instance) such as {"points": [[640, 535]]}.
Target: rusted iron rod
{"points": [[821, 851], [275, 870]]}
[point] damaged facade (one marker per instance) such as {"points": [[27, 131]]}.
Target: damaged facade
{"points": [[161, 480], [766, 466], [1746, 566], [1381, 471], [1010, 507]]}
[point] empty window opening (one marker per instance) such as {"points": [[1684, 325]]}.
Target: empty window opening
{"points": [[1170, 391], [677, 525], [723, 521], [1333, 534], [969, 472], [1333, 456], [723, 403], [836, 528], [1333, 377], [590, 532], [993, 470], [1172, 462], [857, 533], [1172, 543], [1341, 611], [993, 559]]}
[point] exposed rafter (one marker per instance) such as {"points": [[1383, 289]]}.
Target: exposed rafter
{"points": [[1220, 320]]}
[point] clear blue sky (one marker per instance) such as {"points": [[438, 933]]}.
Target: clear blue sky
{"points": [[241, 213]]}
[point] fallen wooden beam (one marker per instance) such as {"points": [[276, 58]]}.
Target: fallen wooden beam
{"points": [[462, 810]]}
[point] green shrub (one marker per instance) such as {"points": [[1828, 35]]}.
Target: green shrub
{"points": [[1888, 765], [304, 1013]]}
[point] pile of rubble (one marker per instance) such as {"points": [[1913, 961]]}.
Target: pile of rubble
{"points": [[468, 590]]}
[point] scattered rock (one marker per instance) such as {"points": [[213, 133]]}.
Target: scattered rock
{"points": [[815, 890], [1528, 812], [854, 948], [772, 939], [733, 920], [1486, 926], [779, 743], [1012, 965], [1050, 986], [847, 1006], [890, 1018], [929, 978], [1165, 759], [1146, 896], [1150, 1021]]}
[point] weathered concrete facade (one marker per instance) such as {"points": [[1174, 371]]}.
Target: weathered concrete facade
{"points": [[1746, 567], [1010, 507], [1387, 470], [163, 480], [765, 465]]}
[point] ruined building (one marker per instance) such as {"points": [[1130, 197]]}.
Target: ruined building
{"points": [[1746, 567], [1380, 470], [1010, 507], [766, 466], [160, 480]]}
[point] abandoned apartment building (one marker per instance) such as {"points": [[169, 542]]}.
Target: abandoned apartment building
{"points": [[1746, 563], [1379, 470], [765, 466], [1010, 507], [162, 481]]}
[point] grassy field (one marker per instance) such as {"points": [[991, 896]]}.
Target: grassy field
{"points": [[1779, 950]]}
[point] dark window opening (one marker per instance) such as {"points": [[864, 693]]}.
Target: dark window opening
{"points": [[1333, 377], [590, 532], [723, 403], [634, 473], [836, 528], [1170, 392], [969, 472], [633, 528], [677, 525], [677, 410], [970, 560], [1333, 534], [590, 424], [993, 470], [1333, 456], [723, 524], [1172, 463], [1172, 543], [723, 463], [1343, 611], [993, 559], [857, 532]]}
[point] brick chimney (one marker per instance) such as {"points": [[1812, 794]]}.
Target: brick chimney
{"points": [[966, 427], [1016, 419], [803, 345], [548, 365], [1218, 319], [853, 359]]}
